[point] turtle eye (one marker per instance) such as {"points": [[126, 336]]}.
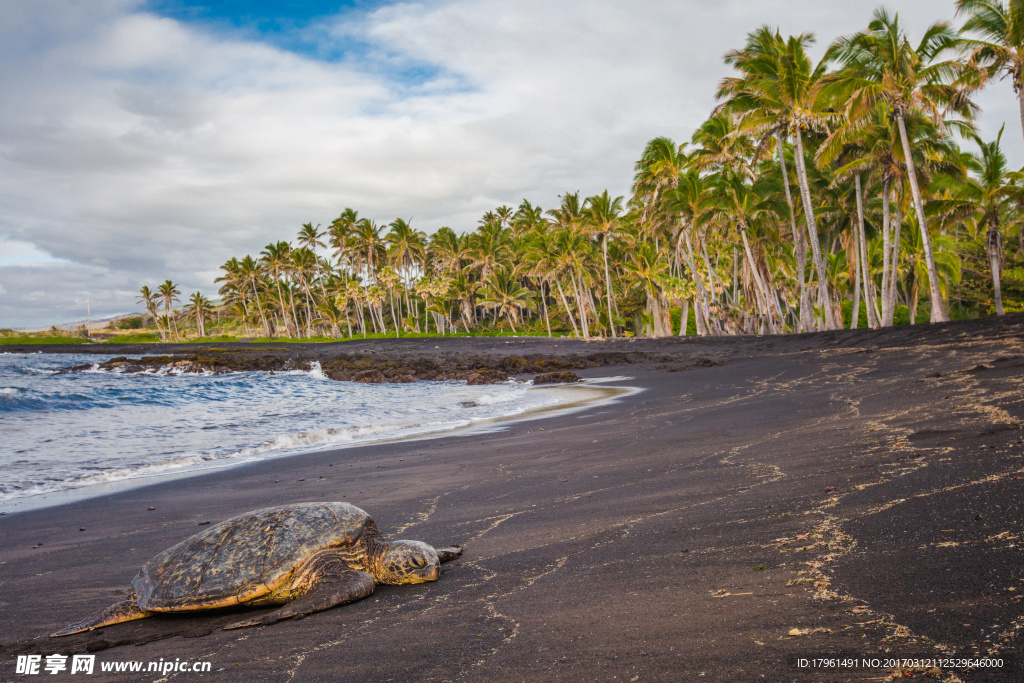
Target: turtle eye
{"points": [[419, 562]]}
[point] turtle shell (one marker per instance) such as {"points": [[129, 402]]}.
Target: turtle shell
{"points": [[245, 557]]}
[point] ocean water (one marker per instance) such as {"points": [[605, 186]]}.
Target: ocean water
{"points": [[62, 431]]}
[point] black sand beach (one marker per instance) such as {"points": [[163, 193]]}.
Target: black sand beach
{"points": [[762, 498]]}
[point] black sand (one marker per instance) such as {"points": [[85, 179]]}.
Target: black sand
{"points": [[849, 491]]}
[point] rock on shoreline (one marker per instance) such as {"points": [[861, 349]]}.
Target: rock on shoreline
{"points": [[473, 369]]}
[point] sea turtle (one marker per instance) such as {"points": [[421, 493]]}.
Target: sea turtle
{"points": [[307, 557]]}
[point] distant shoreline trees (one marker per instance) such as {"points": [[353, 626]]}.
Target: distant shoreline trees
{"points": [[814, 195]]}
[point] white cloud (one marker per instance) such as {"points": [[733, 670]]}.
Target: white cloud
{"points": [[140, 148]]}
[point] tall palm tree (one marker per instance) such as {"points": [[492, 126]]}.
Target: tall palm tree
{"points": [[880, 65], [251, 273], [276, 257], [150, 298], [776, 96], [368, 246], [602, 220], [309, 237], [339, 234], [169, 295], [200, 307], [502, 292], [990, 197], [998, 48]]}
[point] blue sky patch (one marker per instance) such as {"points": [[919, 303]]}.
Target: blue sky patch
{"points": [[298, 27]]}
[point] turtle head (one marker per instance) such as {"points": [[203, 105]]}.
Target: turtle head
{"points": [[408, 562]]}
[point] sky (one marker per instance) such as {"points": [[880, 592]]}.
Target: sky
{"points": [[150, 140]]}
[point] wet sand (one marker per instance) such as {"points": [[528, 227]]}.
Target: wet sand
{"points": [[761, 498]]}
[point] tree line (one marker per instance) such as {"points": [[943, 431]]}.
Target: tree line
{"points": [[814, 191]]}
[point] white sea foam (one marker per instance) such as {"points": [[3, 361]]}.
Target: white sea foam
{"points": [[72, 430]]}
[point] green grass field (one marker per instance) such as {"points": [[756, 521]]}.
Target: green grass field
{"points": [[43, 340]]}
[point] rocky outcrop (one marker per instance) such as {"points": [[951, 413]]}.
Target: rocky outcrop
{"points": [[565, 377]]}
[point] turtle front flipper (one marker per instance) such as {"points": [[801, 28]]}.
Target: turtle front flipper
{"points": [[334, 587], [126, 610], [449, 554]]}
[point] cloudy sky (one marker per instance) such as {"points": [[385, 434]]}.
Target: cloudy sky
{"points": [[141, 141]]}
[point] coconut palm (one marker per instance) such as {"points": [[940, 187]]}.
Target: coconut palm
{"points": [[276, 258], [251, 274], [990, 197], [880, 65], [502, 292], [150, 298], [199, 307], [602, 214], [994, 37], [777, 97], [168, 293]]}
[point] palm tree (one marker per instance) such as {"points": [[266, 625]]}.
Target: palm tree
{"points": [[339, 234], [646, 269], [880, 65], [990, 198], [777, 97], [276, 257], [998, 49], [602, 219], [369, 247], [309, 237], [503, 293], [149, 297], [200, 307], [251, 273], [691, 204], [389, 278], [169, 294]]}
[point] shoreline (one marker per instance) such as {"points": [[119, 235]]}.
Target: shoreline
{"points": [[599, 396], [760, 499]]}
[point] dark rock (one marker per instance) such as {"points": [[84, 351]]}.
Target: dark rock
{"points": [[565, 377]]}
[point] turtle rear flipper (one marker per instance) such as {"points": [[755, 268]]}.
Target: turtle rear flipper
{"points": [[126, 610], [336, 587]]}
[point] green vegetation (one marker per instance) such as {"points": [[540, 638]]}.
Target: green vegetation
{"points": [[141, 338], [816, 196], [34, 339], [130, 323]]}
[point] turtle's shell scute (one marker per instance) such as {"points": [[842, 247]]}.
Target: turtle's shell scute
{"points": [[245, 557]]}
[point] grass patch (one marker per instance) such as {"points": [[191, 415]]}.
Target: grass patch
{"points": [[144, 338], [44, 340]]}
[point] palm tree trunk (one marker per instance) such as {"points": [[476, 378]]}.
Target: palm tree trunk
{"points": [[886, 318], [894, 261], [266, 327], [684, 317], [869, 289], [608, 284], [824, 299], [391, 297], [762, 295], [544, 303], [938, 314], [700, 307], [1020, 101], [993, 246], [567, 310], [581, 306], [799, 250], [855, 309]]}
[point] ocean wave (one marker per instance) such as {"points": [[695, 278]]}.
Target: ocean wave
{"points": [[73, 430]]}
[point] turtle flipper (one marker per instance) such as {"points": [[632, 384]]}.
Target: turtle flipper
{"points": [[336, 587], [126, 610], [449, 554]]}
